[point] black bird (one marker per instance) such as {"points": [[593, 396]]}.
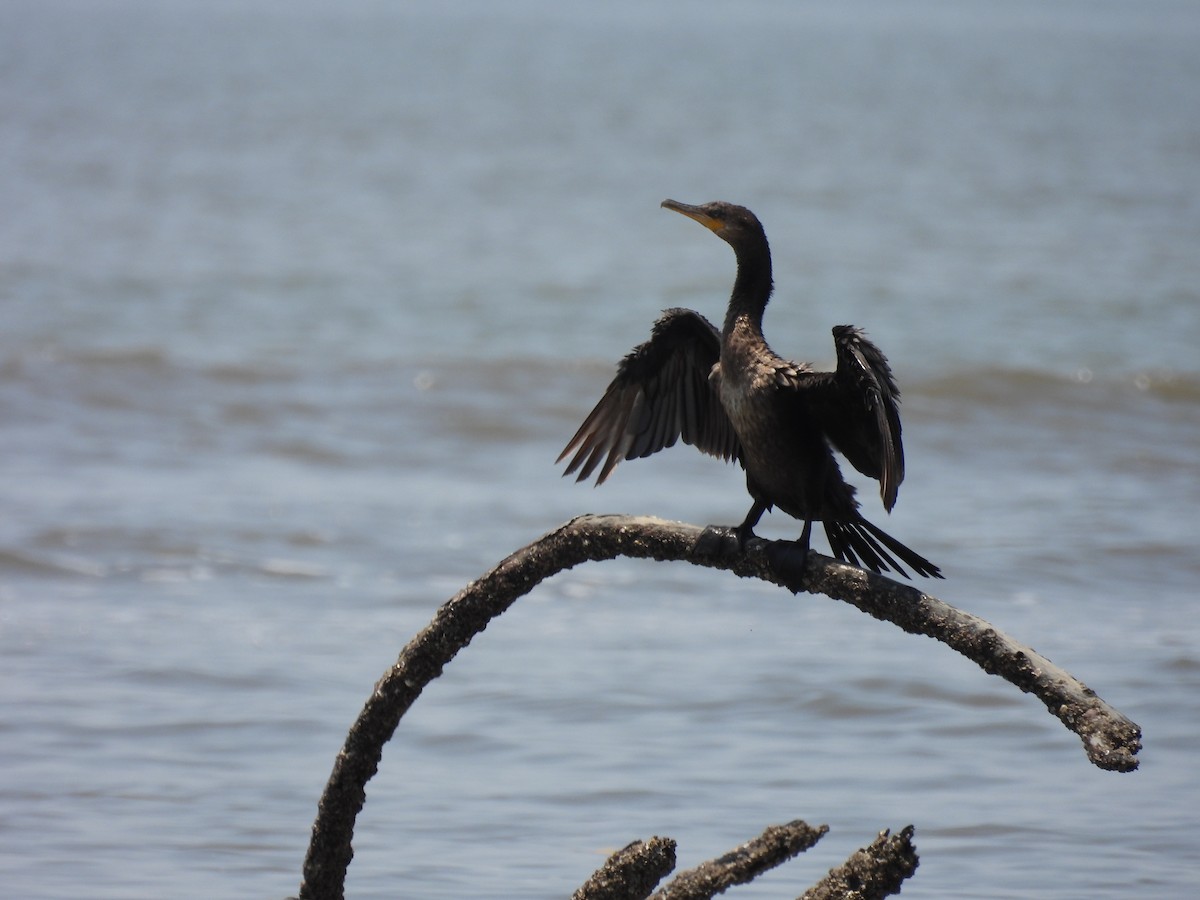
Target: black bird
{"points": [[729, 395]]}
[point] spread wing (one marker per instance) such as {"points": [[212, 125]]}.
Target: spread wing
{"points": [[857, 406], [661, 393]]}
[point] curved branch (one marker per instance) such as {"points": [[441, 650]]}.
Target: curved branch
{"points": [[1111, 740]]}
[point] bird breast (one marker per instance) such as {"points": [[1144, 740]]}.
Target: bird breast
{"points": [[745, 393]]}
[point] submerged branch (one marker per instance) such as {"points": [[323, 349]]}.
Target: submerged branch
{"points": [[871, 873], [773, 847], [631, 873], [1110, 740]]}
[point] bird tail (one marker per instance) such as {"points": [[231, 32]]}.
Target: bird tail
{"points": [[860, 543]]}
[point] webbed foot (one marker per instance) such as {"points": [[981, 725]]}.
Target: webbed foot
{"points": [[788, 560], [716, 541], [743, 533]]}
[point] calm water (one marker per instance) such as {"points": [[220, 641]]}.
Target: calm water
{"points": [[300, 301]]}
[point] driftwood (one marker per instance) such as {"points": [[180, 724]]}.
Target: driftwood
{"points": [[1110, 740], [874, 871], [776, 845], [632, 873]]}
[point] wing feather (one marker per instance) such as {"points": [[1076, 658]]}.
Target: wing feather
{"points": [[857, 406], [661, 393]]}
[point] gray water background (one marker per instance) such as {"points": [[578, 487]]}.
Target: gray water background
{"points": [[301, 300]]}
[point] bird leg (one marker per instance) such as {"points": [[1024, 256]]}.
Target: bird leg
{"points": [[745, 531], [788, 559], [805, 537]]}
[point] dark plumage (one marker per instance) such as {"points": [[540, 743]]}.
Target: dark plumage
{"points": [[729, 395]]}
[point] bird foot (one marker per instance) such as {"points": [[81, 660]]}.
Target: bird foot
{"points": [[716, 541], [743, 533], [788, 560]]}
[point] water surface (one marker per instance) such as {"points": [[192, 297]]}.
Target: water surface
{"points": [[301, 301]]}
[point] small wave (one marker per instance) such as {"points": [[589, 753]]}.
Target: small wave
{"points": [[999, 386], [305, 451], [149, 360], [292, 568], [25, 363], [166, 575], [1183, 665], [146, 359], [1171, 386], [982, 830], [49, 564], [250, 373]]}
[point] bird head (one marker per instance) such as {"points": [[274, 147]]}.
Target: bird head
{"points": [[734, 224]]}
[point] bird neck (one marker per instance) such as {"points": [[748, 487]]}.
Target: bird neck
{"points": [[751, 290]]}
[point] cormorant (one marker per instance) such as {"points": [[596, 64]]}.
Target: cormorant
{"points": [[729, 395]]}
